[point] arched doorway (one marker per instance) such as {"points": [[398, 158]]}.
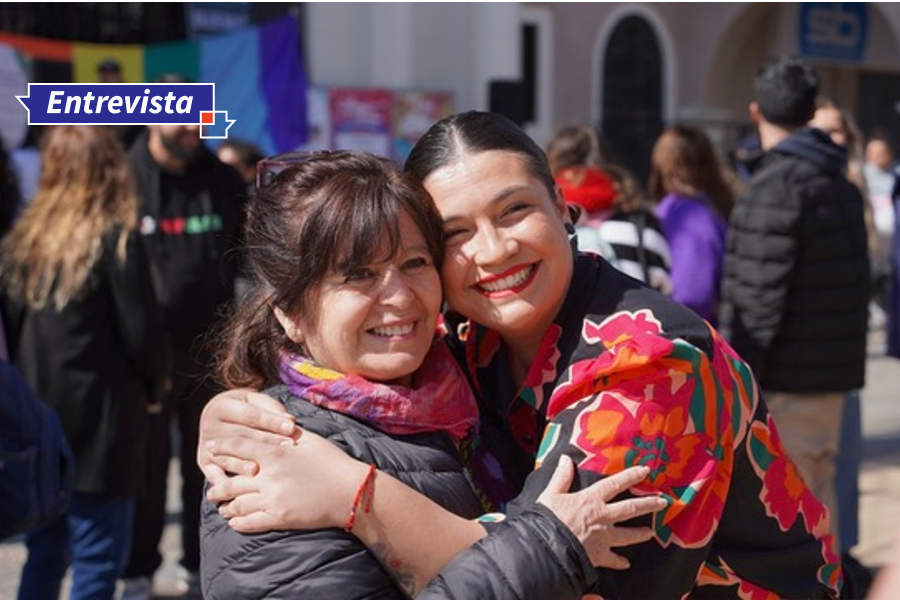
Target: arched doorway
{"points": [[632, 87]]}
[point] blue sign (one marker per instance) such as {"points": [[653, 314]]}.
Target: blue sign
{"points": [[835, 30], [124, 104]]}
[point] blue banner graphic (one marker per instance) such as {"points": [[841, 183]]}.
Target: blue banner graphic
{"points": [[125, 104], [833, 30]]}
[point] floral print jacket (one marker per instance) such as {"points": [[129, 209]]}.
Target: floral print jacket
{"points": [[626, 377]]}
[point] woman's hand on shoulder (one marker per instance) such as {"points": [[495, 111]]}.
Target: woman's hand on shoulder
{"points": [[309, 484], [240, 413], [593, 518]]}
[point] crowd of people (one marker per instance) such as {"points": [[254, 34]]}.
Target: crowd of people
{"points": [[578, 383]]}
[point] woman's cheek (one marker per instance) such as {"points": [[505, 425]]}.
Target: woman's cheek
{"points": [[453, 275]]}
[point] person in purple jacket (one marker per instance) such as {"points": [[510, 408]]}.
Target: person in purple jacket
{"points": [[693, 204]]}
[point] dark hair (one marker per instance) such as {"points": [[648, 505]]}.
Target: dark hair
{"points": [[880, 135], [786, 91], [577, 146], [684, 162], [109, 64], [323, 214], [474, 132]]}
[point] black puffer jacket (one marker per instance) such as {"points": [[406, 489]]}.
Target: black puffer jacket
{"points": [[796, 283], [532, 556]]}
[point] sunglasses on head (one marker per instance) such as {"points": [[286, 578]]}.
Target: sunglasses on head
{"points": [[268, 168]]}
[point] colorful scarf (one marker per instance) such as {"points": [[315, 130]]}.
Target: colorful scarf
{"points": [[439, 400]]}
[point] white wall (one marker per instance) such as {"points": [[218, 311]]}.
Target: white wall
{"points": [[459, 47]]}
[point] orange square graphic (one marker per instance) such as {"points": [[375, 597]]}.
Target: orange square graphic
{"points": [[207, 118]]}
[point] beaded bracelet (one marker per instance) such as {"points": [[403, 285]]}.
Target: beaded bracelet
{"points": [[357, 500]]}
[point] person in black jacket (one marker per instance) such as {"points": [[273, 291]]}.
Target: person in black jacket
{"points": [[339, 324], [191, 209], [86, 333], [797, 275]]}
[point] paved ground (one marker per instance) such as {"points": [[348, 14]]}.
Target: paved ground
{"points": [[879, 484], [880, 477]]}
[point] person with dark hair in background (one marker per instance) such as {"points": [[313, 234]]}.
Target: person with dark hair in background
{"points": [[191, 210], [86, 333], [797, 275], [109, 71]]}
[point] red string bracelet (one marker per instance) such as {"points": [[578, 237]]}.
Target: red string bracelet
{"points": [[357, 500]]}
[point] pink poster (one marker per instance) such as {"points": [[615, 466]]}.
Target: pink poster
{"points": [[361, 120]]}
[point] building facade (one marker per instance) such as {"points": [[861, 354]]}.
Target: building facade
{"points": [[629, 68]]}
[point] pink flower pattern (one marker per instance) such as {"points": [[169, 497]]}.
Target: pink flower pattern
{"points": [[619, 388], [644, 399]]}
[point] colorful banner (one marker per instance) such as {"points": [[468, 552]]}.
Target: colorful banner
{"points": [[259, 78], [257, 72]]}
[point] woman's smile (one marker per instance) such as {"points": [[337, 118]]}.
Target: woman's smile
{"points": [[396, 330], [512, 281]]}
